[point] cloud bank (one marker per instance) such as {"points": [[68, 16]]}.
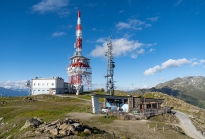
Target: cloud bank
{"points": [[13, 84], [167, 64]]}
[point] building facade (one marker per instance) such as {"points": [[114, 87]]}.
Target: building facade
{"points": [[54, 85]]}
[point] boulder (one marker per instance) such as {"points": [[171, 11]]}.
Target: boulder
{"points": [[34, 122], [87, 131], [49, 128], [54, 131], [63, 132], [55, 122], [65, 126]]}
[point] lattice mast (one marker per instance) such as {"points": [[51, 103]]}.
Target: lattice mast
{"points": [[110, 68], [79, 70]]}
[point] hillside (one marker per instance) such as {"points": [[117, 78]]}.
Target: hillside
{"points": [[15, 111], [190, 89]]}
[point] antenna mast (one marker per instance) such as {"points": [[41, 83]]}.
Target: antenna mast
{"points": [[110, 68]]}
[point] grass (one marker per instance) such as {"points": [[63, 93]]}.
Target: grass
{"points": [[48, 108]]}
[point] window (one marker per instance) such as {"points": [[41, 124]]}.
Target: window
{"points": [[38, 84], [42, 84], [52, 84], [34, 84], [38, 90], [47, 84]]}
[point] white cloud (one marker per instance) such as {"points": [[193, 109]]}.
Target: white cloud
{"points": [[138, 52], [94, 29], [167, 64], [51, 6], [178, 2], [148, 25], [202, 61], [121, 46], [153, 19], [122, 25], [151, 50], [13, 84], [91, 4], [195, 64], [102, 40], [121, 11], [57, 34], [132, 23]]}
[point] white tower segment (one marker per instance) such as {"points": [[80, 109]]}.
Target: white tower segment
{"points": [[79, 70]]}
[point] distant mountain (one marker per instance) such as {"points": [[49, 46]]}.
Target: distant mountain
{"points": [[13, 92], [190, 89]]}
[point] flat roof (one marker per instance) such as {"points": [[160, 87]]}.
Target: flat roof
{"points": [[51, 78], [111, 97]]}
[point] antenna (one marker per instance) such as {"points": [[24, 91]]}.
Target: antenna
{"points": [[110, 68]]}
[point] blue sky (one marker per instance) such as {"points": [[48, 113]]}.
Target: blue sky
{"points": [[154, 40]]}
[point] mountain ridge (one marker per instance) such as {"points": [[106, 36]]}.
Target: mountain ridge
{"points": [[191, 89]]}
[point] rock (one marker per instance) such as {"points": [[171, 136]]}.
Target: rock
{"points": [[75, 132], [1, 119], [34, 122], [63, 132], [65, 126], [49, 128], [77, 126], [54, 131], [72, 128], [55, 122], [87, 131]]}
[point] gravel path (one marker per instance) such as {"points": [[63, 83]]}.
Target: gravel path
{"points": [[187, 126]]}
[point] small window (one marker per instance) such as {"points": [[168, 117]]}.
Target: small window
{"points": [[38, 84], [47, 84], [34, 90], [47, 90], [52, 84], [43, 90], [42, 84], [38, 90], [34, 84]]}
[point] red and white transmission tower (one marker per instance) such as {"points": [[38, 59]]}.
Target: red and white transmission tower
{"points": [[79, 70]]}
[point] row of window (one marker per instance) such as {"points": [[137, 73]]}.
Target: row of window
{"points": [[43, 84]]}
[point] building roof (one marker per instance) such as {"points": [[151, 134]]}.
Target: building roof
{"points": [[52, 78], [110, 97]]}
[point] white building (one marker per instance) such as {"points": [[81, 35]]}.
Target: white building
{"points": [[54, 85]]}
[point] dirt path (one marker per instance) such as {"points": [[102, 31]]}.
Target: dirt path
{"points": [[187, 126]]}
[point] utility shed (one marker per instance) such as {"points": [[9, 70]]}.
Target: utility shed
{"points": [[119, 101], [144, 107], [141, 104], [54, 85]]}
